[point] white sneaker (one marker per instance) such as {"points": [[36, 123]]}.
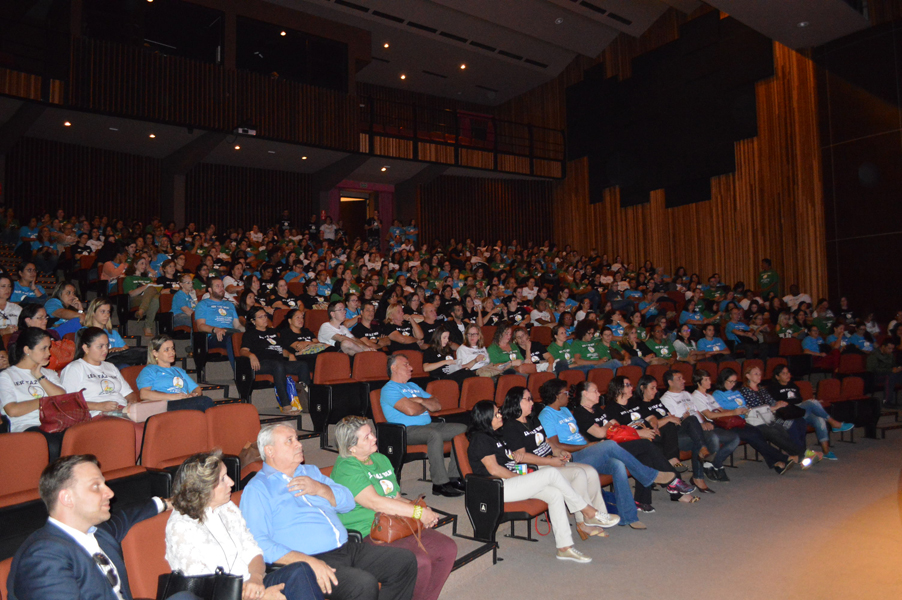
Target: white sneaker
{"points": [[602, 520], [573, 554]]}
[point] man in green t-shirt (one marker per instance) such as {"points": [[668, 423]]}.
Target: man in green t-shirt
{"points": [[768, 280]]}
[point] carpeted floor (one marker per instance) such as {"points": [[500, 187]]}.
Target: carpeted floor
{"points": [[834, 531]]}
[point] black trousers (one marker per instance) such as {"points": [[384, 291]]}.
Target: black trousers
{"points": [[649, 455], [360, 568]]}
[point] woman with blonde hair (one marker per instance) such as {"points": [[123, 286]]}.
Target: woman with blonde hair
{"points": [[99, 314], [472, 354]]}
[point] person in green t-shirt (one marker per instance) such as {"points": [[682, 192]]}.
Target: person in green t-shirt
{"points": [[768, 279], [661, 346], [505, 354], [589, 350], [370, 477], [143, 293]]}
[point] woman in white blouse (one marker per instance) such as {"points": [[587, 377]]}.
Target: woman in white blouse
{"points": [[206, 530], [105, 389], [472, 354]]}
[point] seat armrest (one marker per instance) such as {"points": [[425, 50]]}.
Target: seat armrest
{"points": [[354, 537], [233, 470], [392, 442]]}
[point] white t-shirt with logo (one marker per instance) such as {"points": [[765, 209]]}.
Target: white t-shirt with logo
{"points": [[101, 384], [19, 385], [327, 331]]}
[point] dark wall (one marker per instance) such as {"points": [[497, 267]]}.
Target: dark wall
{"points": [[861, 138]]}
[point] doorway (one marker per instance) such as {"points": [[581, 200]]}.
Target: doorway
{"points": [[353, 215]]}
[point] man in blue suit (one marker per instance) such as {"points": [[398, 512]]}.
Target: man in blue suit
{"points": [[78, 553]]}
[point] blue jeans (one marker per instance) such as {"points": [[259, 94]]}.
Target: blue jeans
{"points": [[610, 459], [722, 442], [816, 416], [226, 342]]}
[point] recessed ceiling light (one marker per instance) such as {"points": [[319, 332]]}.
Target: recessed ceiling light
{"points": [[559, 20], [152, 136], [403, 76], [385, 168], [385, 45], [271, 151], [803, 24], [237, 147], [303, 158], [114, 129], [67, 124], [283, 34], [463, 66]]}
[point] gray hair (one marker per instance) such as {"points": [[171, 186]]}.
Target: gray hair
{"points": [[265, 437], [391, 361], [346, 434]]}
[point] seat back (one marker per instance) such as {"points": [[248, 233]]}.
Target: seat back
{"points": [[541, 334], [415, 357], [112, 441], [370, 366], [852, 388], [535, 382], [631, 372], [488, 334], [231, 426], [279, 315], [731, 364], [4, 575], [850, 364], [461, 444], [475, 389], [751, 363], [805, 389], [236, 343], [505, 383], [657, 371], [829, 390], [773, 363], [572, 376], [601, 378], [445, 391], [790, 347], [144, 553], [24, 458], [170, 437], [130, 374], [296, 287], [376, 406], [688, 370], [313, 319], [165, 302], [332, 366]]}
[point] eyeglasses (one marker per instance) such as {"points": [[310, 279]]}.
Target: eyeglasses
{"points": [[104, 563]]}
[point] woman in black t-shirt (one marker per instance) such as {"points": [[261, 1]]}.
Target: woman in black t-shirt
{"points": [[522, 430], [656, 416], [261, 345], [533, 352], [401, 329], [440, 359], [489, 456], [298, 340], [281, 296]]}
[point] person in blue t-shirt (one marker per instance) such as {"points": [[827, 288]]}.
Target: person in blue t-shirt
{"points": [[405, 402], [66, 308], [713, 347], [160, 380], [412, 233], [745, 341], [26, 287], [184, 302], [217, 316], [860, 339]]}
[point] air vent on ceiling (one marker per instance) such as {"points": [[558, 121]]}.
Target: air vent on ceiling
{"points": [[483, 46], [352, 5], [591, 6], [451, 36], [435, 74], [422, 27], [488, 89], [380, 59], [510, 55], [535, 63], [379, 13], [619, 19]]}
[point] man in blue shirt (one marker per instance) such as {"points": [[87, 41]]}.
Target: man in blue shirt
{"points": [[745, 341], [217, 316], [407, 403], [292, 511]]}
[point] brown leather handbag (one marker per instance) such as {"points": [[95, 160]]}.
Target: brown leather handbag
{"points": [[388, 528], [59, 413], [731, 422]]}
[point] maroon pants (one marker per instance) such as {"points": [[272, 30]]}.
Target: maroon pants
{"points": [[434, 566]]}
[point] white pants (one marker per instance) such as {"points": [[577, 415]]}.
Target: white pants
{"points": [[584, 481], [551, 487]]}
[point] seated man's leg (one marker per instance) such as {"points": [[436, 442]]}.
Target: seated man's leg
{"points": [[299, 579], [448, 431], [350, 348], [360, 568], [432, 436]]}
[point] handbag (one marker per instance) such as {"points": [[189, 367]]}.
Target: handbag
{"points": [[790, 412], [216, 586], [59, 413], [621, 433], [731, 422], [387, 528]]}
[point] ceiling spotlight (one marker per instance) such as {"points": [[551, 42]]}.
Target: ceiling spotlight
{"points": [[283, 34], [152, 136], [803, 24], [384, 169], [237, 147], [114, 129], [403, 76], [67, 124], [303, 158], [463, 66], [271, 151], [559, 20], [385, 45]]}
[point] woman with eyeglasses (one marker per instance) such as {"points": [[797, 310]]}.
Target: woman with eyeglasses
{"points": [[472, 354], [9, 311]]}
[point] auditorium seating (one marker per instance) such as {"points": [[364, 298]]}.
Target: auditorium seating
{"points": [[24, 457]]}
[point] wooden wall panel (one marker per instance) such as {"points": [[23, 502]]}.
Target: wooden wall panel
{"points": [[42, 176], [771, 207], [476, 208], [239, 197]]}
